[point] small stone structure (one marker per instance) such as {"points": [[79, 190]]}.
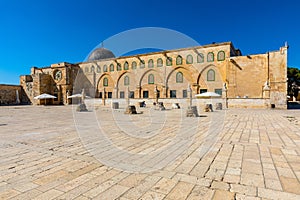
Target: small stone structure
{"points": [[218, 106], [82, 107], [160, 106], [175, 106], [208, 108], [130, 110], [192, 110], [115, 105]]}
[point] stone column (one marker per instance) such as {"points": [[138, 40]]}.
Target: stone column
{"points": [[116, 90], [67, 99], [17, 97], [192, 110], [156, 93], [128, 96], [224, 94], [103, 97], [140, 91], [266, 90]]}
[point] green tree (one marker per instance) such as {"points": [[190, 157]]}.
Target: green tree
{"points": [[293, 75]]}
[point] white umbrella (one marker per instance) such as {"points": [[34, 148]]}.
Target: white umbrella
{"points": [[208, 94], [77, 96], [45, 96]]}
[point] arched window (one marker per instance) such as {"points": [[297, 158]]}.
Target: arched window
{"points": [[189, 59], [221, 56], [211, 75], [98, 69], [169, 61], [126, 80], [111, 67], [133, 65], [92, 69], [179, 60], [142, 64], [159, 62], [151, 79], [105, 82], [210, 57], [179, 77], [200, 58], [105, 68], [119, 67], [126, 66], [86, 69], [150, 63]]}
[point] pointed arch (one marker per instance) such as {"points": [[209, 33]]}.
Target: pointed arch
{"points": [[179, 60]]}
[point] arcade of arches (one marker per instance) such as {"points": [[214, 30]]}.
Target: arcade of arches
{"points": [[218, 68]]}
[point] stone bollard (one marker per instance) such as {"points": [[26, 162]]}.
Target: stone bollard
{"points": [[218, 106], [208, 108], [130, 110], [192, 111]]}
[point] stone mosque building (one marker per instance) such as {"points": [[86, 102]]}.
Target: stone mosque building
{"points": [[258, 80]]}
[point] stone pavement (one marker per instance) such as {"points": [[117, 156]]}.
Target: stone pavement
{"points": [[49, 152]]}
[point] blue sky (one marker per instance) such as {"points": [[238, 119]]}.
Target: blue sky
{"points": [[43, 32]]}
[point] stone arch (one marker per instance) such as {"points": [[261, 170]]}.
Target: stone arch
{"points": [[178, 88], [186, 74], [144, 74], [210, 86], [145, 87], [100, 87], [122, 88]]}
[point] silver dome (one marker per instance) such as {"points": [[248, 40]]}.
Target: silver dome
{"points": [[100, 53]]}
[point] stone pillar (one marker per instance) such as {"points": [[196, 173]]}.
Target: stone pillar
{"points": [[67, 99], [139, 91], [128, 96], [17, 97], [224, 95], [192, 110], [266, 90], [156, 93], [103, 97], [116, 91]]}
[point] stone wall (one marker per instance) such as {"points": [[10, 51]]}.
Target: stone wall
{"points": [[8, 95]]}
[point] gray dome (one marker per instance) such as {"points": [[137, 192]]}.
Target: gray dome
{"points": [[100, 53]]}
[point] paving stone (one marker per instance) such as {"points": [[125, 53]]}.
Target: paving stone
{"points": [[27, 195], [145, 185], [242, 189], [51, 194], [164, 186], [244, 197], [200, 192], [180, 191], [291, 185], [113, 192], [220, 185], [252, 180], [150, 195], [9, 194], [273, 194], [223, 195], [273, 184]]}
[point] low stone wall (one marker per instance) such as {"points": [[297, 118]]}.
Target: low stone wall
{"points": [[249, 103], [8, 95], [200, 103]]}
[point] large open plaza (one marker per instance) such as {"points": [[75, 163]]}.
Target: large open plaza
{"points": [[54, 152]]}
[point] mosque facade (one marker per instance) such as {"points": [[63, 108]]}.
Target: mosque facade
{"points": [[258, 80]]}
